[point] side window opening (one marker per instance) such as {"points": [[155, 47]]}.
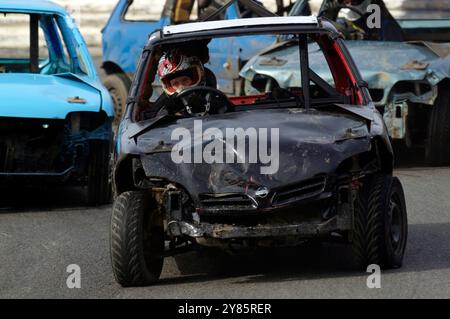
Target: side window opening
{"points": [[24, 47], [17, 46], [144, 10]]}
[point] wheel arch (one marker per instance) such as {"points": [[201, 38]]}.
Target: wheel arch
{"points": [[384, 154], [123, 175], [111, 67], [379, 152]]}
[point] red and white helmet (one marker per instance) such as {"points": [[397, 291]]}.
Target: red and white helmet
{"points": [[173, 66]]}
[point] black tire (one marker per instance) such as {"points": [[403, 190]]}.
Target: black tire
{"points": [[99, 170], [437, 151], [380, 223], [118, 85], [136, 241]]}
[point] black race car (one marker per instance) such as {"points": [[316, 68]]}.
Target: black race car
{"points": [[288, 164]]}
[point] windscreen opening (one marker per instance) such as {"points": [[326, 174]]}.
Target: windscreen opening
{"points": [[277, 77]]}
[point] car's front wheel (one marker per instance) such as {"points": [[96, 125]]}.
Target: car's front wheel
{"points": [[118, 85], [380, 223], [136, 240]]}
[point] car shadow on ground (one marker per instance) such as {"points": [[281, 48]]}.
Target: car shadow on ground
{"points": [[33, 199], [406, 158], [265, 265], [427, 250]]}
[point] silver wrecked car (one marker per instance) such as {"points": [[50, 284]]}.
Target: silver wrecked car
{"points": [[405, 64]]}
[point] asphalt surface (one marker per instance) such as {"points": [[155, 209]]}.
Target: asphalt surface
{"points": [[43, 231]]}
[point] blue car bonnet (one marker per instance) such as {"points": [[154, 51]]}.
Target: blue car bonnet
{"points": [[43, 96]]}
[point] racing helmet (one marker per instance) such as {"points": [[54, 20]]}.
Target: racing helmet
{"points": [[358, 4], [178, 71]]}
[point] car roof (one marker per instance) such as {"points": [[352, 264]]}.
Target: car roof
{"points": [[310, 21], [31, 6]]}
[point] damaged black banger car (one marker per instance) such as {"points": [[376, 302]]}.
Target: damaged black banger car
{"points": [[333, 179]]}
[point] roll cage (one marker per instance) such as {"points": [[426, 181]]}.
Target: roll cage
{"points": [[350, 88]]}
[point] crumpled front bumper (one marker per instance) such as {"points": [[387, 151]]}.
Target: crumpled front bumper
{"points": [[225, 231]]}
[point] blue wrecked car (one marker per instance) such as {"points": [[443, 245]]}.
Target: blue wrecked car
{"points": [[130, 24], [405, 64], [55, 115]]}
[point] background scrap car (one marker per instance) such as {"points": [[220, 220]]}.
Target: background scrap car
{"points": [[406, 66], [55, 114]]}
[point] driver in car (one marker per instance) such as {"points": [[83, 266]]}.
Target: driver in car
{"points": [[355, 21], [178, 72]]}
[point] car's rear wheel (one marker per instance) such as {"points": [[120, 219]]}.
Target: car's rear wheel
{"points": [[437, 152], [137, 240], [118, 85], [99, 168], [380, 223]]}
